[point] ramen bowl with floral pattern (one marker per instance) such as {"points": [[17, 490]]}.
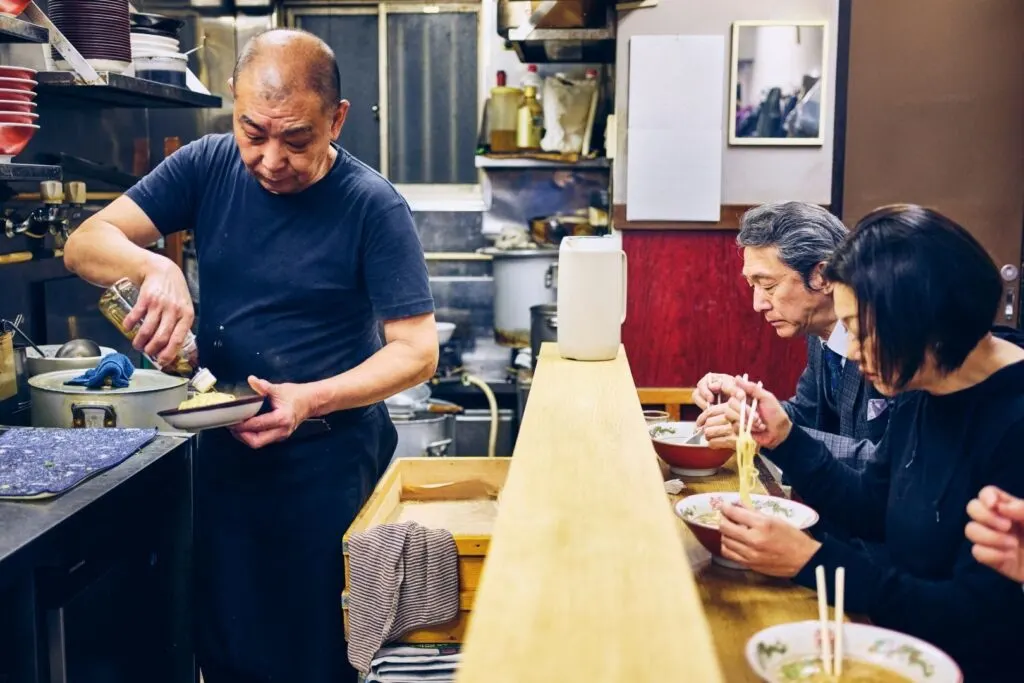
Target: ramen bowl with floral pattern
{"points": [[702, 511], [683, 458], [792, 652]]}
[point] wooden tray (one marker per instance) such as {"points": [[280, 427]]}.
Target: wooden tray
{"points": [[458, 494]]}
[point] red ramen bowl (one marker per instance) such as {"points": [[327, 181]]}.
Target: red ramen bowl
{"points": [[10, 107], [688, 460], [22, 72], [11, 95], [14, 137], [17, 117], [13, 8], [701, 512], [17, 84]]}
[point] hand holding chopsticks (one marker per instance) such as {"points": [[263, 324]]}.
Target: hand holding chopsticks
{"points": [[832, 663], [763, 419]]}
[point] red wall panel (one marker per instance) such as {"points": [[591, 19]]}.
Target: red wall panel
{"points": [[690, 312]]}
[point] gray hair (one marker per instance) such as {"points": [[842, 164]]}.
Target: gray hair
{"points": [[805, 234]]}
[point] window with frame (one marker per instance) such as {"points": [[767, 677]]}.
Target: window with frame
{"points": [[410, 73]]}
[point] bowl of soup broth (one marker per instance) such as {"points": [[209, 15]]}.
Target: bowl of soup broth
{"points": [[683, 458], [789, 653], [703, 511]]}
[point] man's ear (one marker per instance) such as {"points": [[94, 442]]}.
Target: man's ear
{"points": [[819, 282], [231, 86]]}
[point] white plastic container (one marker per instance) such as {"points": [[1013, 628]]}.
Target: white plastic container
{"points": [[591, 298]]}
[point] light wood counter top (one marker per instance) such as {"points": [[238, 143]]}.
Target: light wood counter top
{"points": [[587, 579]]}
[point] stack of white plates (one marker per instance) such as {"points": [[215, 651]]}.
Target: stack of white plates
{"points": [[144, 45]]}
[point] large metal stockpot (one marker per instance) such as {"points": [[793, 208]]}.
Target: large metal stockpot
{"points": [[55, 404], [421, 433]]}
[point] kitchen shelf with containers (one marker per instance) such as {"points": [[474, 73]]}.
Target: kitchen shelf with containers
{"points": [[543, 123]]}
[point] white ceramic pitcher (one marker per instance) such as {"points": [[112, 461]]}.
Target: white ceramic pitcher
{"points": [[591, 297]]}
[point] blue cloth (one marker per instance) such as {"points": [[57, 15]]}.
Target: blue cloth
{"points": [[115, 367], [292, 285]]}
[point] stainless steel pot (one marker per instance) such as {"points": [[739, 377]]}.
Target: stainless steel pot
{"points": [[55, 404], [543, 327], [423, 435], [35, 365]]}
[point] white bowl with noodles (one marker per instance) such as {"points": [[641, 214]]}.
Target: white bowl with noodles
{"points": [[213, 415], [701, 512], [788, 653]]}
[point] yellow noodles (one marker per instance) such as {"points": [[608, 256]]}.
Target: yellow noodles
{"points": [[211, 398], [746, 451]]}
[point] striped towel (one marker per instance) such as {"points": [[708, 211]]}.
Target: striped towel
{"points": [[403, 577]]}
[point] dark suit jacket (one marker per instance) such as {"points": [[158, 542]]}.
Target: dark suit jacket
{"points": [[850, 432]]}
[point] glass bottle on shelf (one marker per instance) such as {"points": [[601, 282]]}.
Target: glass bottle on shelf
{"points": [[115, 304]]}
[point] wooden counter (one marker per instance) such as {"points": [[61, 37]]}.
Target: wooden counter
{"points": [[738, 604], [587, 579]]}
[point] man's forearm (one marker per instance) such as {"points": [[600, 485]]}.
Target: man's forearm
{"points": [[396, 367], [101, 254]]}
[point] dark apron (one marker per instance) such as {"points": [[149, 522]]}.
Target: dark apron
{"points": [[268, 557]]}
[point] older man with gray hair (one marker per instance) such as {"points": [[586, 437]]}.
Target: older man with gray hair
{"points": [[785, 247]]}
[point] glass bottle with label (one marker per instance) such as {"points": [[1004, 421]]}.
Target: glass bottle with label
{"points": [[115, 305], [530, 122]]}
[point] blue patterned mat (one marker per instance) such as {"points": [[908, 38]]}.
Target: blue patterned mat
{"points": [[42, 463]]}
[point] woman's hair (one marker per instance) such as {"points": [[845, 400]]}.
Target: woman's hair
{"points": [[922, 283]]}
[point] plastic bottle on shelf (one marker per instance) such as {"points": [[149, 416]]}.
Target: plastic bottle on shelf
{"points": [[530, 121], [532, 79]]}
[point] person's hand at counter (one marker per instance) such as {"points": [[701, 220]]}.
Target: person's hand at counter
{"points": [[712, 388], [772, 424], [718, 430], [765, 544], [997, 531], [165, 310], [291, 404]]}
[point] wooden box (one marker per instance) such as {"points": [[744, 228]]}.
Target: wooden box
{"points": [[458, 494]]}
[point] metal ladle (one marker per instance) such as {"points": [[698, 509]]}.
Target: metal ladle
{"points": [[11, 325], [79, 348]]}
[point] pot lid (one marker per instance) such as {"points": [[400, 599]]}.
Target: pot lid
{"points": [[521, 253], [142, 382], [409, 400]]}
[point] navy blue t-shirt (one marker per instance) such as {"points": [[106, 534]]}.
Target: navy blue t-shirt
{"points": [[292, 285]]}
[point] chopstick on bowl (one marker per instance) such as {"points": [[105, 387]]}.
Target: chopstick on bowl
{"points": [[831, 661], [840, 590], [825, 631]]}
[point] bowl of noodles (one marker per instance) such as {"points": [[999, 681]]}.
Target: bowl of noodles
{"points": [[212, 410], [702, 512], [791, 652], [686, 459]]}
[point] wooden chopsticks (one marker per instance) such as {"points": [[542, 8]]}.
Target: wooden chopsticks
{"points": [[831, 662]]}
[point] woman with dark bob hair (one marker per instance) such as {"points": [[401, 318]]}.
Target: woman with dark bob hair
{"points": [[917, 295]]}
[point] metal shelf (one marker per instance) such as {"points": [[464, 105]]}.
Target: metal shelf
{"points": [[523, 162], [59, 89], [17, 31], [28, 173]]}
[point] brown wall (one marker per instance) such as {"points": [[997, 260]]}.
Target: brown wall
{"points": [[935, 113]]}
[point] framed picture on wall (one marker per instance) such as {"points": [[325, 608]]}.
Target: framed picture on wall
{"points": [[777, 83]]}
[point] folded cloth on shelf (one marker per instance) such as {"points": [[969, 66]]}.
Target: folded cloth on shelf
{"points": [[403, 577], [115, 369]]}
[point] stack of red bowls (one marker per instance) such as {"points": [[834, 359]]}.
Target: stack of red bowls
{"points": [[18, 117], [99, 29], [12, 8]]}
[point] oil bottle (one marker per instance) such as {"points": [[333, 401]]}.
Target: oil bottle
{"points": [[115, 304], [530, 121]]}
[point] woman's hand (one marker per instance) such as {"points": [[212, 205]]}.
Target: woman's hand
{"points": [[771, 424], [765, 544], [997, 531], [165, 310]]}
